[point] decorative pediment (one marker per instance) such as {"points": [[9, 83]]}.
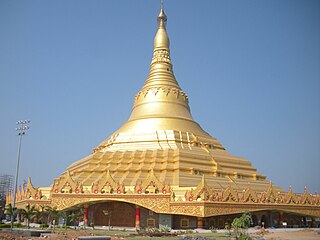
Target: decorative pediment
{"points": [[214, 196], [152, 185], [230, 195], [8, 197], [202, 191], [291, 198], [306, 198], [317, 199], [31, 192], [107, 185], [19, 194], [65, 184], [270, 196], [250, 196]]}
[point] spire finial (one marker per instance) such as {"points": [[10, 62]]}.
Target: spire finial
{"points": [[162, 18]]}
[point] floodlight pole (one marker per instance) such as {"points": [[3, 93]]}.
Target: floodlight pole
{"points": [[108, 213], [22, 128]]}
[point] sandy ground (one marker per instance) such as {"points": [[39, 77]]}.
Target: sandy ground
{"points": [[270, 234], [288, 234]]}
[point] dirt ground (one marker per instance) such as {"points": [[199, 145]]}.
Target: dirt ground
{"points": [[270, 234], [56, 236], [288, 234]]}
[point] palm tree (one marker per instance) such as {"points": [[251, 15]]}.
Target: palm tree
{"points": [[66, 217], [75, 217], [42, 215], [28, 212], [53, 215], [10, 210]]}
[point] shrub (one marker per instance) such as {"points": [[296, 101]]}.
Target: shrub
{"points": [[5, 225], [92, 225], [44, 225], [164, 228], [241, 225], [18, 225], [212, 229]]}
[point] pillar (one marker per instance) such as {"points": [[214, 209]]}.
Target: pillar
{"points": [[85, 215], [200, 222], [281, 218], [137, 217]]}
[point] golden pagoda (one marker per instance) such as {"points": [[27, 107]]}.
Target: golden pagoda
{"points": [[161, 168]]}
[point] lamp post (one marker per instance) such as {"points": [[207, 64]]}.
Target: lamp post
{"points": [[107, 213], [21, 129]]}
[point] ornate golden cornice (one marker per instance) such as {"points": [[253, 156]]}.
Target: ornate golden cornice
{"points": [[159, 197]]}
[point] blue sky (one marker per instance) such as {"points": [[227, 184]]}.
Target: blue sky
{"points": [[251, 70]]}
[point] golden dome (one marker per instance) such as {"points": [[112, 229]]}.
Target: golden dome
{"points": [[161, 135]]}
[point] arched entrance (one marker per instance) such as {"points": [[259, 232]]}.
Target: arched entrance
{"points": [[265, 220], [255, 221], [121, 214]]}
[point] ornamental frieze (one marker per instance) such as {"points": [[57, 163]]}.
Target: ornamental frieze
{"points": [[165, 91], [187, 209], [62, 203], [218, 209], [153, 202], [161, 55], [161, 198]]}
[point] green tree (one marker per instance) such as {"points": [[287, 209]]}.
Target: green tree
{"points": [[28, 213], [42, 214], [75, 217], [241, 225], [66, 218], [54, 215], [12, 211]]}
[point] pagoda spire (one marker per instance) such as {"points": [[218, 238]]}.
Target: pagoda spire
{"points": [[161, 104], [161, 72], [161, 39]]}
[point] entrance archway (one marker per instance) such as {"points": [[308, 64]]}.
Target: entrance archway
{"points": [[265, 219], [121, 214], [255, 221]]}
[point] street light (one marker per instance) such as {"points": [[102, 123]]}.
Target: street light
{"points": [[107, 213], [21, 129]]}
